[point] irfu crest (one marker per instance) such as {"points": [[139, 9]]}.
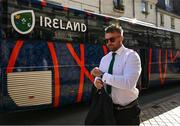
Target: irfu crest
{"points": [[23, 21]]}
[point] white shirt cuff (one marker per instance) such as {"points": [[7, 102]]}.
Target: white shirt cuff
{"points": [[106, 78]]}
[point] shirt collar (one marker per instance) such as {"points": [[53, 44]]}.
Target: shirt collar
{"points": [[120, 50]]}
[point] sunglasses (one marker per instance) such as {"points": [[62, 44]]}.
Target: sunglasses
{"points": [[112, 39]]}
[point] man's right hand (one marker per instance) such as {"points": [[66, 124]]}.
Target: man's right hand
{"points": [[98, 84]]}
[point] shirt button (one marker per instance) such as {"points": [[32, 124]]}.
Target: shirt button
{"points": [[104, 81]]}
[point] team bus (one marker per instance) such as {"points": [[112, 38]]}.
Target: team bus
{"points": [[47, 52]]}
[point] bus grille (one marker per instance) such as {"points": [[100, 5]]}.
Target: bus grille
{"points": [[30, 88]]}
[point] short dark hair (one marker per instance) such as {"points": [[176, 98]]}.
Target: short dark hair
{"points": [[114, 28]]}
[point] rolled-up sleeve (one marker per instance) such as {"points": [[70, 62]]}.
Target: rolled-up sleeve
{"points": [[131, 73]]}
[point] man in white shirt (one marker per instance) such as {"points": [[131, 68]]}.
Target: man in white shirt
{"points": [[118, 73]]}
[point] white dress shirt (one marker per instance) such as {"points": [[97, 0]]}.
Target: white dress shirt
{"points": [[126, 71]]}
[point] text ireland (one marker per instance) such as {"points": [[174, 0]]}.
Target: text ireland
{"points": [[60, 24]]}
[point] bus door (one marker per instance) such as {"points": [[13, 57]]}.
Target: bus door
{"points": [[144, 64]]}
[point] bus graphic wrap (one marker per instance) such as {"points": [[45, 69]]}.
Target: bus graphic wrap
{"points": [[48, 51], [23, 21]]}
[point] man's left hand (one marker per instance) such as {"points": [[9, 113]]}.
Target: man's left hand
{"points": [[96, 72]]}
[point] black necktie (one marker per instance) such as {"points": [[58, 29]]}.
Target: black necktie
{"points": [[110, 71]]}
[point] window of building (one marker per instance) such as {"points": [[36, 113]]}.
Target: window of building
{"points": [[169, 5], [151, 6], [161, 19], [118, 4], [172, 23], [144, 7]]}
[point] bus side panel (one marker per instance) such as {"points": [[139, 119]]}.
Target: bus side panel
{"points": [[153, 67], [164, 66], [74, 84], [70, 70], [33, 66], [1, 11], [27, 60]]}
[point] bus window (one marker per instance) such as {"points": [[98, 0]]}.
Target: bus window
{"points": [[1, 10], [23, 2], [74, 34], [177, 41], [156, 38], [135, 35], [168, 42], [95, 29]]}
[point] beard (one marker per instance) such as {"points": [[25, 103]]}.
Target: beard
{"points": [[113, 48]]}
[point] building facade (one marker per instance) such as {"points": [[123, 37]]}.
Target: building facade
{"points": [[168, 14], [135, 9], [86, 5], [161, 13]]}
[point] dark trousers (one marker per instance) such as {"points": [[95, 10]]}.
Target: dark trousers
{"points": [[129, 116]]}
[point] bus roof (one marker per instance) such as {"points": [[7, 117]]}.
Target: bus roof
{"points": [[135, 21]]}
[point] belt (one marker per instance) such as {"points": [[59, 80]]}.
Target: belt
{"points": [[130, 105]]}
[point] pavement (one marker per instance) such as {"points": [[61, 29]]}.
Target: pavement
{"points": [[160, 107], [162, 112]]}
